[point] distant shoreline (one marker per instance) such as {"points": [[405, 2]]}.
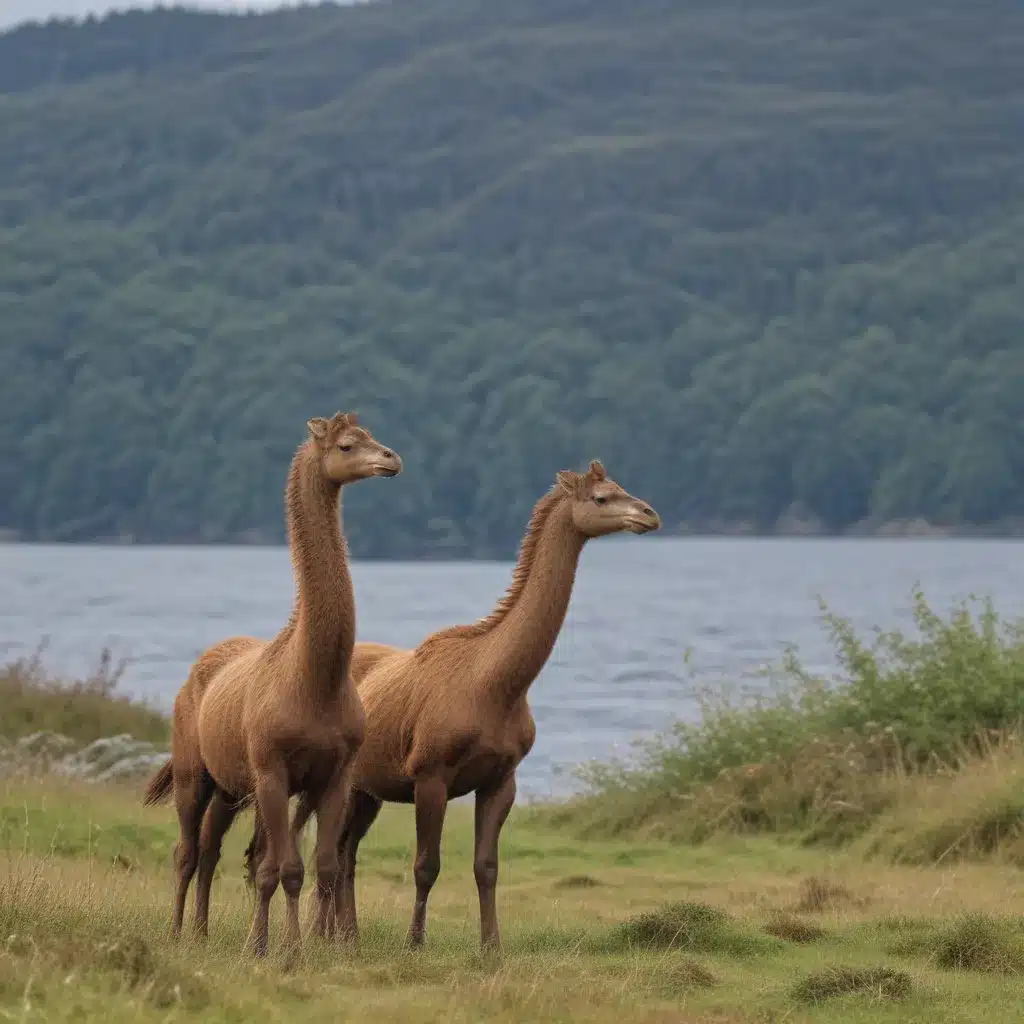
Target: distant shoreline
{"points": [[909, 529]]}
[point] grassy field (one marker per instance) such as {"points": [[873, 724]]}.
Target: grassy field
{"points": [[849, 852], [734, 930]]}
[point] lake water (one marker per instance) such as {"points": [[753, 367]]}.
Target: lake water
{"points": [[618, 671]]}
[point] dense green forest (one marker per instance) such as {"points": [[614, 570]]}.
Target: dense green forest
{"points": [[764, 259]]}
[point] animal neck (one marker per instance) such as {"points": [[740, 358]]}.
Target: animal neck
{"points": [[519, 644], [323, 623]]}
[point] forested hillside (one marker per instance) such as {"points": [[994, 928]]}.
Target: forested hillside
{"points": [[763, 259]]}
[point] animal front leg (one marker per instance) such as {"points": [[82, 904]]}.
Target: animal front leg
{"points": [[492, 808], [281, 863], [218, 818], [431, 803]]}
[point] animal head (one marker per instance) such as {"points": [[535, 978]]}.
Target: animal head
{"points": [[600, 506], [348, 451]]}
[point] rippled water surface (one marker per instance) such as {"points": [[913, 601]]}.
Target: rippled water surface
{"points": [[618, 670]]}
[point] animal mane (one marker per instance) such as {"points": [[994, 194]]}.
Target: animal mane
{"points": [[524, 566]]}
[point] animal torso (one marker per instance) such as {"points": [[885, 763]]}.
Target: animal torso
{"points": [[415, 727], [309, 745]]}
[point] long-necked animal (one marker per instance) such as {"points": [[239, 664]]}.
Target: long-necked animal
{"points": [[262, 721], [451, 717]]}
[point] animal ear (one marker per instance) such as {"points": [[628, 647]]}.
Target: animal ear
{"points": [[318, 427], [353, 419], [597, 471], [567, 480], [340, 420]]}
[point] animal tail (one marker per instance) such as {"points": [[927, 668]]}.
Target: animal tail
{"points": [[160, 786]]}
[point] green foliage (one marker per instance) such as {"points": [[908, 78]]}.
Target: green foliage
{"points": [[89, 709], [826, 758], [762, 259]]}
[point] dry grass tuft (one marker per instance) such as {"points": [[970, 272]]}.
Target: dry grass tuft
{"points": [[678, 977], [818, 894], [790, 928], [688, 925], [977, 942], [971, 810], [577, 882], [879, 982]]}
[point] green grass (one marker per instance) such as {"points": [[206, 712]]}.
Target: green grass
{"points": [[827, 761], [31, 700], [741, 929]]}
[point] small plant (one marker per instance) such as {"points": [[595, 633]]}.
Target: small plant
{"points": [[880, 982]]}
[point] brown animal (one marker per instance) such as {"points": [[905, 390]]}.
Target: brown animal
{"points": [[259, 720], [451, 717]]}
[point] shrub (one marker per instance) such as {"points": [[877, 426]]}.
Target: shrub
{"points": [[31, 700], [824, 758]]}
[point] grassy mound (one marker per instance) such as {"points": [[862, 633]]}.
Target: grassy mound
{"points": [[31, 700], [790, 928], [976, 942], [826, 760], [880, 982], [695, 927], [974, 810]]}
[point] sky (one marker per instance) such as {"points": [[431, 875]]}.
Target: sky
{"points": [[12, 12]]}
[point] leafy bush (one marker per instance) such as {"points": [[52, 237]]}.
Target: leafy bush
{"points": [[824, 758]]}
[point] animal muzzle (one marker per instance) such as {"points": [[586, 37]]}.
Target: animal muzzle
{"points": [[390, 464], [643, 520]]}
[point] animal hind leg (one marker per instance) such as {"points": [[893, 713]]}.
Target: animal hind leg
{"points": [[492, 808], [331, 814], [281, 863], [257, 848], [363, 811], [431, 803], [192, 792], [218, 818]]}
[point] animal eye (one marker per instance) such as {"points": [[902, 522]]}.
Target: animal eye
{"points": [[345, 447], [600, 499]]}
